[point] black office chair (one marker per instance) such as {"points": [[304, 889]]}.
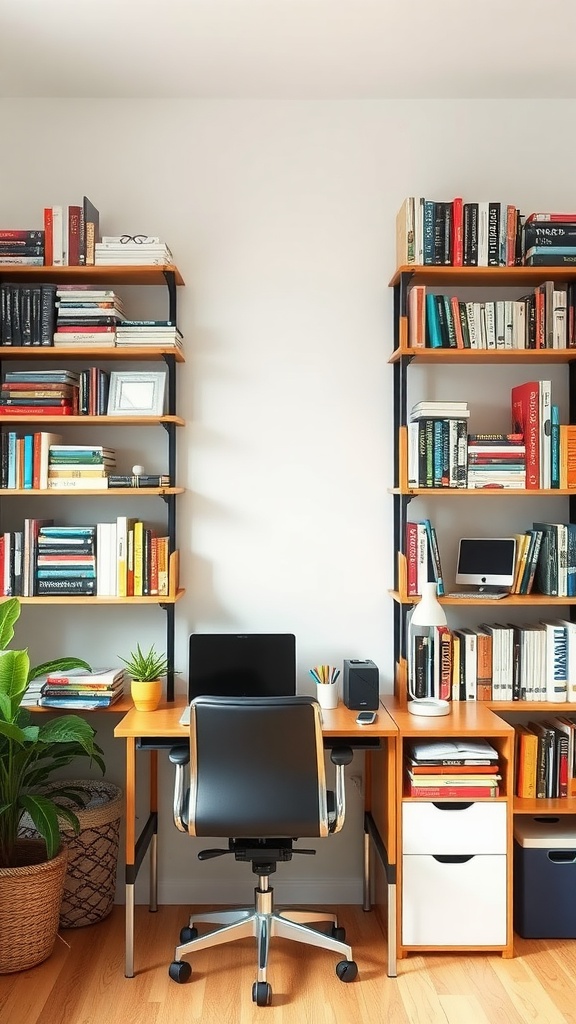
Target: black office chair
{"points": [[255, 768]]}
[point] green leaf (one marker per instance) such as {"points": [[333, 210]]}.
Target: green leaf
{"points": [[45, 819], [14, 669], [12, 732], [9, 613], [59, 665]]}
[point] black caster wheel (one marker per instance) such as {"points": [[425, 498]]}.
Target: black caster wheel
{"points": [[187, 934], [338, 933], [347, 970], [261, 993], [180, 971]]}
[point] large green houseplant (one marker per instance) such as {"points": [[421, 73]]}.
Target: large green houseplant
{"points": [[30, 754]]}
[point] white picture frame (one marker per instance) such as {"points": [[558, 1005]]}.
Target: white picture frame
{"points": [[136, 394]]}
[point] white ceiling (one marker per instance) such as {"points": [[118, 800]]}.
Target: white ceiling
{"points": [[288, 49]]}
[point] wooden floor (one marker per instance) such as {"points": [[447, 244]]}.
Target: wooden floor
{"points": [[83, 981]]}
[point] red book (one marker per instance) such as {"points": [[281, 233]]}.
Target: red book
{"points": [[569, 218], [445, 792], [35, 410], [48, 237], [457, 321], [412, 559], [451, 769], [526, 420], [20, 235], [86, 329], [457, 233], [74, 236], [510, 236]]}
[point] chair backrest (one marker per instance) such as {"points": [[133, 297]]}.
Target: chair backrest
{"points": [[257, 768]]}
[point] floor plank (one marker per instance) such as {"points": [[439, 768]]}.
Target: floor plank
{"points": [[83, 981]]}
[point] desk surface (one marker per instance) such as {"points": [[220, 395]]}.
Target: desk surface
{"points": [[165, 722]]}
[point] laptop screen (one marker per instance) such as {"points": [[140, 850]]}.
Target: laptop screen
{"points": [[245, 664]]}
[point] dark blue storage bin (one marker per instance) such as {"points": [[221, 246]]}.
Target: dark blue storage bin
{"points": [[545, 876]]}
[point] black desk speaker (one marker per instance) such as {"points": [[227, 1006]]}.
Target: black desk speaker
{"points": [[361, 690]]}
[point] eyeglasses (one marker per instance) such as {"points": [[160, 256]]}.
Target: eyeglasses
{"points": [[139, 239]]}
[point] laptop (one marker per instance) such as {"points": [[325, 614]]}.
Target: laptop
{"points": [[240, 664]]}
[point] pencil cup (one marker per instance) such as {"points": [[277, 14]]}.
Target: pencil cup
{"points": [[327, 695]]}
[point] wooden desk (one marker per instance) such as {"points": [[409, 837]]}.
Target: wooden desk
{"points": [[155, 729]]}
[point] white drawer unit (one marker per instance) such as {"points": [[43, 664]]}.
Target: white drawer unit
{"points": [[454, 873], [454, 900], [454, 828]]}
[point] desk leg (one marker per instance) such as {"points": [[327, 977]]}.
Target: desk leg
{"points": [[153, 898], [366, 873], [130, 866]]}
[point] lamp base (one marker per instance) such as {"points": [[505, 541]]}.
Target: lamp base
{"points": [[429, 707]]}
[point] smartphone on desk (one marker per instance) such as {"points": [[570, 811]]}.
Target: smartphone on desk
{"points": [[366, 718]]}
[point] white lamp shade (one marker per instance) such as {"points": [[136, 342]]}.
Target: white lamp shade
{"points": [[428, 611]]}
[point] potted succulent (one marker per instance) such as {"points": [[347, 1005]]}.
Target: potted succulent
{"points": [[146, 670], [32, 871]]}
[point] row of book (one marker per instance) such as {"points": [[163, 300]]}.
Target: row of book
{"points": [[545, 559], [124, 558], [481, 234], [495, 661], [47, 315], [545, 758], [445, 769], [484, 234], [441, 453], [77, 689], [40, 461], [545, 318]]}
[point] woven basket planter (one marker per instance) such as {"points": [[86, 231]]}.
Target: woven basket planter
{"points": [[90, 883], [30, 898]]}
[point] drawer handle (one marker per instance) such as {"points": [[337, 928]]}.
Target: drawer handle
{"points": [[562, 856], [452, 858], [452, 806]]}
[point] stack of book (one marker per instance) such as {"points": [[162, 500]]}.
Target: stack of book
{"points": [[87, 316], [82, 690], [148, 332], [441, 769], [66, 561], [437, 444], [138, 250], [79, 466], [550, 240], [21, 248], [496, 460], [39, 393]]}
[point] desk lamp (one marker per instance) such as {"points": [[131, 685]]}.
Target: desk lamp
{"points": [[427, 614]]}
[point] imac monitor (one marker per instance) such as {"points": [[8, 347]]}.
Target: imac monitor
{"points": [[486, 562], [242, 664]]}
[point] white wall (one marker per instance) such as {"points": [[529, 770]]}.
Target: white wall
{"points": [[281, 219]]}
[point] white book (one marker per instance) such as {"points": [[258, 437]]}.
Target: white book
{"points": [[556, 670], [559, 317], [105, 542], [413, 431], [490, 323], [422, 557], [57, 236], [471, 324], [508, 323], [571, 658], [64, 483]]}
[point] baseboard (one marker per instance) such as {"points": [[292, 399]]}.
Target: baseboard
{"points": [[331, 891]]}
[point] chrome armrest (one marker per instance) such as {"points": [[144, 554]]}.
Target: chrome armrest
{"points": [[340, 756], [180, 757]]}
